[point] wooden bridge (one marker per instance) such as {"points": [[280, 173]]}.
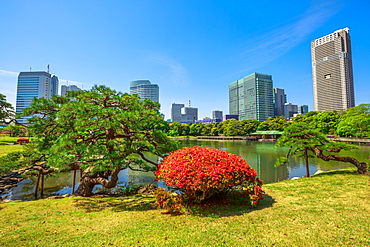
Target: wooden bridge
{"points": [[349, 140]]}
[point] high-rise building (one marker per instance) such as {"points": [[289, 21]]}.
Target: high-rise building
{"points": [[189, 114], [302, 109], [279, 101], [183, 114], [37, 84], [64, 89], [145, 90], [217, 114], [176, 112], [252, 97], [290, 110], [332, 73]]}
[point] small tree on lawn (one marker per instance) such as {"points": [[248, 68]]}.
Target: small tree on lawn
{"points": [[100, 133], [304, 141]]}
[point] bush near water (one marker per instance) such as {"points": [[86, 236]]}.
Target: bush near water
{"points": [[196, 175]]}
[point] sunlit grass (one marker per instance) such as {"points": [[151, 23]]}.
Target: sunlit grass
{"points": [[328, 209], [5, 149], [7, 139]]}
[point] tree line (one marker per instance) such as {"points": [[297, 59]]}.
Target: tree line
{"points": [[353, 122]]}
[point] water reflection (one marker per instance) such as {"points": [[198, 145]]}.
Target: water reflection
{"points": [[260, 156]]}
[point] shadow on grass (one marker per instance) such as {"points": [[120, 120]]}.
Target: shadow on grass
{"points": [[147, 202], [235, 209], [116, 204]]}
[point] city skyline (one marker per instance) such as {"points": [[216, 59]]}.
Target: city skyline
{"points": [[189, 58]]}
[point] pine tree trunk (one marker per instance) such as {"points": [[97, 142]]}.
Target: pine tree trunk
{"points": [[362, 167], [307, 166], [85, 187], [88, 182]]}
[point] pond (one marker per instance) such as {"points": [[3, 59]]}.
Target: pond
{"points": [[259, 155]]}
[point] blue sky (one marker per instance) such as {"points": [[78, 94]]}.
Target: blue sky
{"points": [[192, 49]]}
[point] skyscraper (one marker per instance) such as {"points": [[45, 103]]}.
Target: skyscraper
{"points": [[38, 84], [183, 114], [217, 114], [145, 90], [302, 109], [176, 112], [290, 110], [252, 97], [332, 73], [64, 89], [279, 101]]}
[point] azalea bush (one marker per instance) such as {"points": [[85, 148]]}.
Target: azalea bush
{"points": [[23, 140], [200, 174]]}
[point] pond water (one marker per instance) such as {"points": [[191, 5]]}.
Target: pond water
{"points": [[259, 155]]}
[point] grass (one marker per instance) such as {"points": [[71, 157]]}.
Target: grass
{"points": [[5, 149], [329, 209], [7, 140]]}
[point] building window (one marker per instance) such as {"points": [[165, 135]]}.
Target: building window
{"points": [[328, 76]]}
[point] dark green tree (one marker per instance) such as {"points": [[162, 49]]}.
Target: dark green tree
{"points": [[196, 129], [305, 141], [15, 129], [100, 133], [355, 122], [6, 111], [232, 127], [274, 123], [249, 126], [324, 121]]}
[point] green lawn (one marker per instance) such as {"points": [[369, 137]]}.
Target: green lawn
{"points": [[7, 140], [329, 209], [5, 149]]}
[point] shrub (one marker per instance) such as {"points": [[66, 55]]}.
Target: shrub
{"points": [[197, 174], [23, 140]]}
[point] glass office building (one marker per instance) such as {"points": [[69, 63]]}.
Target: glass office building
{"points": [[38, 84], [145, 90], [252, 97], [332, 73]]}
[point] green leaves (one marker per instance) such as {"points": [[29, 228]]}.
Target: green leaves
{"points": [[6, 110], [98, 130], [281, 161]]}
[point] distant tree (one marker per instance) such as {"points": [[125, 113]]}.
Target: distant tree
{"points": [[324, 121], [182, 129], [15, 129], [274, 123], [100, 133], [249, 126], [196, 129], [355, 122], [6, 111], [305, 141], [232, 127]]}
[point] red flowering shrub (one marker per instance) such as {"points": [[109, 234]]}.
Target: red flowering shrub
{"points": [[23, 140], [200, 173]]}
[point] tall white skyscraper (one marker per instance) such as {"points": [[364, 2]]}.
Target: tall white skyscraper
{"points": [[38, 84], [332, 73], [145, 89]]}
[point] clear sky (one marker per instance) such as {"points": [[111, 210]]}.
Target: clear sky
{"points": [[192, 49]]}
